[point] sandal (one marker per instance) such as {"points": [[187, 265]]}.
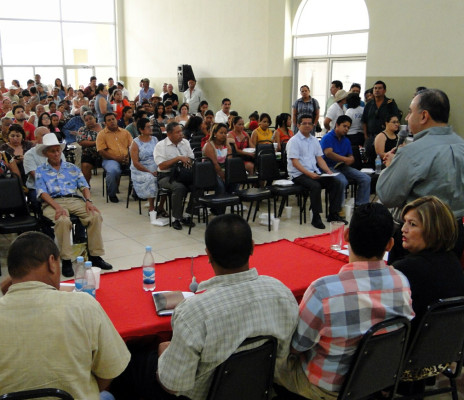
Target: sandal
{"points": [[162, 213]]}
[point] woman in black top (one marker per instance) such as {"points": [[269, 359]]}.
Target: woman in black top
{"points": [[387, 139]]}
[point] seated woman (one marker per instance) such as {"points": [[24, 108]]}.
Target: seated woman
{"points": [[8, 164], [79, 101], [143, 166], [217, 150], [253, 117], [17, 146], [159, 121], [387, 139], [283, 133], [202, 108], [87, 138], [127, 113], [193, 128], [432, 268], [184, 115], [116, 98], [262, 134], [238, 138]]}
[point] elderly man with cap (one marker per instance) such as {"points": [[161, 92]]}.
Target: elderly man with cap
{"points": [[146, 92], [57, 184], [335, 110]]}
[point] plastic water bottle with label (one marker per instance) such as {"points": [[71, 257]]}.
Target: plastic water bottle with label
{"points": [[79, 273], [89, 279], [378, 165], [148, 268]]}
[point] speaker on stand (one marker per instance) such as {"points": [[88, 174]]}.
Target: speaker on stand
{"points": [[184, 74]]}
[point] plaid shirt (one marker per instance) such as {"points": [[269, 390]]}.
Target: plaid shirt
{"points": [[337, 310], [210, 326]]}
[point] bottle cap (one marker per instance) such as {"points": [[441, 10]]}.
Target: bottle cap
{"points": [[80, 259], [88, 264], [148, 248]]}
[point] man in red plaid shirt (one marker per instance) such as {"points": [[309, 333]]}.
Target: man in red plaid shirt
{"points": [[337, 310]]}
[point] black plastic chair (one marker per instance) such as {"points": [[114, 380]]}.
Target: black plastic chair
{"points": [[246, 374], [14, 213], [36, 394], [204, 179], [236, 174], [378, 360], [168, 194], [439, 339], [269, 170]]}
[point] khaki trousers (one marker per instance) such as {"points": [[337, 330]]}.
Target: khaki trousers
{"points": [[63, 226], [289, 373]]}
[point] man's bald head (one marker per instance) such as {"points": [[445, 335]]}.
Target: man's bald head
{"points": [[40, 132]]}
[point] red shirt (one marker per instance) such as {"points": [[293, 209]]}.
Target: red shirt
{"points": [[29, 129]]}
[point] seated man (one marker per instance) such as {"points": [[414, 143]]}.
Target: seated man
{"points": [[57, 183], [168, 152], [234, 305], [339, 156], [337, 310], [52, 338], [304, 156], [113, 145], [70, 129]]}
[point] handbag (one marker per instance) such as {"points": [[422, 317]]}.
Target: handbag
{"points": [[182, 174]]}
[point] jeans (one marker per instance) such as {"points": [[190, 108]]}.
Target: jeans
{"points": [[363, 181], [113, 173]]}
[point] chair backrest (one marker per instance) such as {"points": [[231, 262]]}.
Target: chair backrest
{"points": [[204, 174], [247, 374], [265, 147], [12, 198], [378, 360], [268, 169], [36, 394], [439, 338], [235, 171]]}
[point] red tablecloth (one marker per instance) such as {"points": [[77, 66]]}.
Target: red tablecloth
{"points": [[132, 310], [321, 244]]}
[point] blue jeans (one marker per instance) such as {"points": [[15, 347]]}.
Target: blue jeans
{"points": [[113, 173], [363, 181]]}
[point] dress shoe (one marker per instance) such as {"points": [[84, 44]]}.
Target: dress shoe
{"points": [[97, 261], [335, 218], [66, 268], [187, 222], [114, 199], [177, 225], [317, 222]]}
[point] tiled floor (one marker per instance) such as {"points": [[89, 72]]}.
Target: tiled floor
{"points": [[126, 233]]}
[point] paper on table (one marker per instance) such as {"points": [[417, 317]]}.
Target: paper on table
{"points": [[158, 303], [324, 175], [367, 170]]}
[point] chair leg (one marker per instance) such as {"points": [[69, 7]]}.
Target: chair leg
{"points": [[129, 189], [269, 214], [256, 210], [249, 210]]}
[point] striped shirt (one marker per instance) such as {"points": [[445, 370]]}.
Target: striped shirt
{"points": [[337, 310], [210, 326]]}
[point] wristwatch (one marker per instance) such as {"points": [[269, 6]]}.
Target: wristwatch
{"points": [[88, 200]]}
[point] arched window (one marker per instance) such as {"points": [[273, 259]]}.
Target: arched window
{"points": [[330, 42]]}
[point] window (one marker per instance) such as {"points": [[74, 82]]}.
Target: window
{"points": [[59, 40], [330, 42]]}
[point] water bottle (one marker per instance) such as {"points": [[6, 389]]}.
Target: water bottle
{"points": [[148, 268], [89, 279], [378, 165], [79, 273]]}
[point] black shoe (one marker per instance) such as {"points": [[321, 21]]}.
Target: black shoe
{"points": [[114, 199], [97, 261], [66, 268], [335, 218], [187, 222], [317, 222], [177, 225]]}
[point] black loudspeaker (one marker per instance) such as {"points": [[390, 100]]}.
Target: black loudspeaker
{"points": [[184, 74]]}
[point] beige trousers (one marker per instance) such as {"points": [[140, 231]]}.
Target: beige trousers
{"points": [[63, 226], [289, 373]]}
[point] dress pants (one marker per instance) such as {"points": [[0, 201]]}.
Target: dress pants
{"points": [[179, 191], [63, 226], [335, 189]]}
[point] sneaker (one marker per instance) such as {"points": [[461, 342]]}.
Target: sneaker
{"points": [[187, 222], [317, 222], [336, 217], [66, 268], [114, 199], [152, 215], [97, 261], [177, 225]]}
